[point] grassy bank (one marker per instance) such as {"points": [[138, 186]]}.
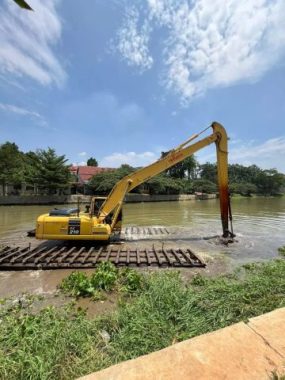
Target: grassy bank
{"points": [[64, 344]]}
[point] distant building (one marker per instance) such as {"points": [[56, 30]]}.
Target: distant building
{"points": [[82, 175]]}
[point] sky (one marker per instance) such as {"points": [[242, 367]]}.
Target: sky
{"points": [[123, 80]]}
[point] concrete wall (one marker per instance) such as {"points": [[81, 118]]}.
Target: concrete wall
{"points": [[33, 199], [171, 197], [130, 198]]}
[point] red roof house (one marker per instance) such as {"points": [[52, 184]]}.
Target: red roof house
{"points": [[85, 173]]}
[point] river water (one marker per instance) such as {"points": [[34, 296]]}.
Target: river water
{"points": [[259, 224]]}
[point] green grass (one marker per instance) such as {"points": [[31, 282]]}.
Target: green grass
{"points": [[281, 250], [64, 344]]}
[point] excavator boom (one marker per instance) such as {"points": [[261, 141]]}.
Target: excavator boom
{"points": [[102, 220], [128, 183]]}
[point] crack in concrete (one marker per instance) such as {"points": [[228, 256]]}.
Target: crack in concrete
{"points": [[265, 340]]}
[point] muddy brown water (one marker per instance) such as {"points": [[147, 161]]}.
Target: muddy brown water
{"points": [[259, 224]]}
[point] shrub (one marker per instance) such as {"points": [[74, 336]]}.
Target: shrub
{"points": [[130, 281], [77, 284], [105, 276]]}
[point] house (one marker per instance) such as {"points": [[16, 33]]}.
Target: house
{"points": [[81, 175]]}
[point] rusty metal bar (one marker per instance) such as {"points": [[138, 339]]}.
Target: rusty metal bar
{"points": [[88, 255], [118, 256], [176, 256], [157, 256], [108, 253], [13, 253], [148, 259], [67, 257], [94, 261], [55, 254], [45, 254], [35, 252], [138, 256], [77, 255]]}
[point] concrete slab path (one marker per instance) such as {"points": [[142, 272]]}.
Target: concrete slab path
{"points": [[242, 351]]}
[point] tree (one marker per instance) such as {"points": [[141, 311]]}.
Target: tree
{"points": [[11, 165], [243, 188], [208, 172], [92, 162], [204, 186], [163, 184], [103, 183], [30, 167], [188, 166], [270, 182], [51, 172]]}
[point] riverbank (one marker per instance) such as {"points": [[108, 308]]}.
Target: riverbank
{"points": [[13, 200], [62, 343]]}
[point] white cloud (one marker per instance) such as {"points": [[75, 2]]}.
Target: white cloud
{"points": [[82, 154], [39, 119], [270, 154], [27, 39], [209, 43], [133, 42], [81, 163], [267, 155], [131, 158]]}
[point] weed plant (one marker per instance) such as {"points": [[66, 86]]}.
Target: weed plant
{"points": [[64, 344], [105, 278]]}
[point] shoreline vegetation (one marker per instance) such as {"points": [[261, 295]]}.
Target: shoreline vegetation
{"points": [[43, 172], [154, 310]]}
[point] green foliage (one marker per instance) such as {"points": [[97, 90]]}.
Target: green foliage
{"points": [[92, 162], [130, 281], [54, 344], [11, 164], [186, 167], [243, 188], [247, 180], [77, 284], [104, 182], [208, 171], [163, 184], [64, 344], [270, 182], [105, 276], [204, 186], [281, 250], [188, 187], [51, 171]]}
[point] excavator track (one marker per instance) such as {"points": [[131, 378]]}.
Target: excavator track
{"points": [[80, 257]]}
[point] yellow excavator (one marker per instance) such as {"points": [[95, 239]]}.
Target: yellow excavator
{"points": [[104, 215]]}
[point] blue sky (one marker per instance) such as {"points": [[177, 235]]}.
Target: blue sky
{"points": [[123, 80]]}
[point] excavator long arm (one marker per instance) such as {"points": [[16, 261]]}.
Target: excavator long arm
{"points": [[115, 199]]}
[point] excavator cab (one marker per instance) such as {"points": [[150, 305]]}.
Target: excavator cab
{"points": [[96, 204]]}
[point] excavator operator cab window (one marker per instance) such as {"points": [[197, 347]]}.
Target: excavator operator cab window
{"points": [[97, 204]]}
